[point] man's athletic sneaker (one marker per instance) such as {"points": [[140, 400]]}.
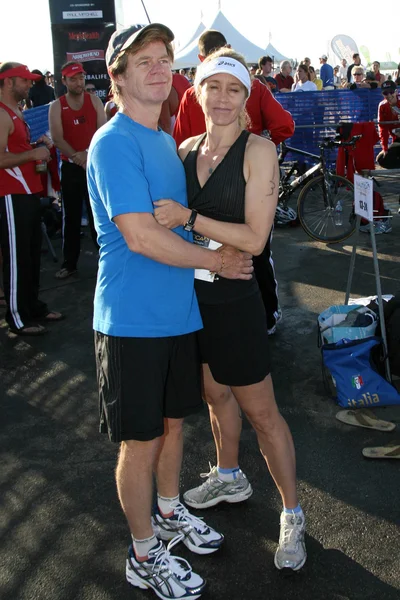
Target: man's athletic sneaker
{"points": [[214, 490], [193, 532], [170, 577], [291, 552]]}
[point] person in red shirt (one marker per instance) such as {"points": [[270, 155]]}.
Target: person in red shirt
{"points": [[20, 225], [170, 107], [284, 79], [389, 110], [74, 119]]}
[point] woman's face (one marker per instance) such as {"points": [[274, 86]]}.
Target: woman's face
{"points": [[302, 74], [222, 98], [312, 74]]}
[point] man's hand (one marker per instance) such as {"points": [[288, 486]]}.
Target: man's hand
{"points": [[41, 153], [235, 264], [46, 141], [171, 214], [80, 158]]}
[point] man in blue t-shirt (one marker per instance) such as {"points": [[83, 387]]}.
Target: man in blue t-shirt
{"points": [[145, 310], [326, 73]]}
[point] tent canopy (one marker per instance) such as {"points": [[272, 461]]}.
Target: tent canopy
{"points": [[271, 51], [193, 38], [188, 56]]}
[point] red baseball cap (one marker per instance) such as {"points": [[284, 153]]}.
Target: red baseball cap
{"points": [[20, 71], [72, 70]]}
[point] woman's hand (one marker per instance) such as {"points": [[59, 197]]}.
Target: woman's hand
{"points": [[171, 214]]}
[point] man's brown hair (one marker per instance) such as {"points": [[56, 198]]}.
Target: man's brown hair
{"points": [[263, 61], [210, 41], [120, 64]]}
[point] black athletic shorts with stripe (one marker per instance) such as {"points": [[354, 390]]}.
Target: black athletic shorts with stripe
{"points": [[144, 380]]}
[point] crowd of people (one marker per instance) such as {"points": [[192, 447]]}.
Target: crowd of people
{"points": [[186, 293]]}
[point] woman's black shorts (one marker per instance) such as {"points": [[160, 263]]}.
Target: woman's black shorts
{"points": [[234, 341]]}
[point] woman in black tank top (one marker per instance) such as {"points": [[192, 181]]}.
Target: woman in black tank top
{"points": [[232, 184]]}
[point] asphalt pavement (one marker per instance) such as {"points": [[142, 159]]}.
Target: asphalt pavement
{"points": [[62, 533]]}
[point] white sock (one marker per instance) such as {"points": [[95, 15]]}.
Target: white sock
{"points": [[166, 505], [143, 547]]}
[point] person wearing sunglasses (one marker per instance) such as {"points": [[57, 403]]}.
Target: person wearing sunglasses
{"points": [[89, 87], [389, 126]]}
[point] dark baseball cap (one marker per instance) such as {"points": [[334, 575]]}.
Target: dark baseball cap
{"points": [[388, 87], [123, 38]]}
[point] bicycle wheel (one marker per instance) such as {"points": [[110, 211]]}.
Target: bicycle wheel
{"points": [[316, 208]]}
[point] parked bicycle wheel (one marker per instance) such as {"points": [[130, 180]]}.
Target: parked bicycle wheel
{"points": [[326, 208]]}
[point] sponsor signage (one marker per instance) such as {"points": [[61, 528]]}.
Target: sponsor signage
{"points": [[344, 47], [64, 11], [363, 197], [86, 44]]}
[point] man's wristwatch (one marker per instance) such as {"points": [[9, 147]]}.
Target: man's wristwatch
{"points": [[190, 223]]}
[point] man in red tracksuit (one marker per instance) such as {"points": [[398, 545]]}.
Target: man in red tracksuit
{"points": [[20, 214], [389, 110], [74, 119], [265, 114]]}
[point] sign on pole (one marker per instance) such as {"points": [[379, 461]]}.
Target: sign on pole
{"points": [[363, 197]]}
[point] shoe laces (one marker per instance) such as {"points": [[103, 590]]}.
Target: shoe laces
{"points": [[185, 518], [290, 532], [212, 474], [164, 560]]}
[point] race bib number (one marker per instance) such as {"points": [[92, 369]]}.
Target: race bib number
{"points": [[205, 242]]}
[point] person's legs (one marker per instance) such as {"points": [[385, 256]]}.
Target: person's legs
{"points": [[17, 216], [225, 419], [258, 403], [134, 477], [169, 459], [86, 200], [71, 185]]}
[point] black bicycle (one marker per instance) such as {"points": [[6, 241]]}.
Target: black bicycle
{"points": [[325, 206]]}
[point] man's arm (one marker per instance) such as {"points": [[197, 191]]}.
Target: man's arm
{"points": [[262, 184], [182, 129], [276, 119], [56, 130], [145, 236], [99, 107], [383, 129], [9, 160]]}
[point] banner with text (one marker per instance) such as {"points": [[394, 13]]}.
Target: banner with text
{"points": [[91, 11]]}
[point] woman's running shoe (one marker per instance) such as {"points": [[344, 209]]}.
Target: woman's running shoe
{"points": [[291, 552], [214, 490]]}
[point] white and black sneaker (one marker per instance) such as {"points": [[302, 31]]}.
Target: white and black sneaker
{"points": [[171, 578], [194, 533]]}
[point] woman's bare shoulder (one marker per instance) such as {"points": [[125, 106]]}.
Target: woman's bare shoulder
{"points": [[186, 146]]}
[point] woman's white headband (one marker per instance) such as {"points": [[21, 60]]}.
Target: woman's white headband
{"points": [[223, 64]]}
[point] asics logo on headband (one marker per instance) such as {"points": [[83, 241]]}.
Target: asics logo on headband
{"points": [[225, 62]]}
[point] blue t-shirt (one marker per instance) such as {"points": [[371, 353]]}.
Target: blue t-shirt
{"points": [[130, 167], [326, 74]]}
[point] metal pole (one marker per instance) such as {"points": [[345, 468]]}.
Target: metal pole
{"points": [[352, 260], [380, 301], [145, 10]]}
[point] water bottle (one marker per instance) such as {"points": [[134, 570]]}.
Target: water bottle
{"points": [[338, 213]]}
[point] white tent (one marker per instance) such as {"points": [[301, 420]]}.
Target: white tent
{"points": [[193, 38], [273, 53], [188, 56]]}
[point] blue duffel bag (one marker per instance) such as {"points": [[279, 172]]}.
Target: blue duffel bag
{"points": [[358, 383]]}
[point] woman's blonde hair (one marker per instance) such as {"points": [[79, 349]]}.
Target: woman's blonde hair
{"points": [[244, 119], [120, 64]]}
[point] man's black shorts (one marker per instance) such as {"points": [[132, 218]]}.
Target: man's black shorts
{"points": [[144, 380], [234, 341]]}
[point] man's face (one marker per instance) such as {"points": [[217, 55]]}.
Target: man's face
{"points": [[391, 97], [76, 84], [307, 61], [286, 70], [20, 88], [344, 62], [357, 60], [148, 77], [267, 68], [375, 67]]}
